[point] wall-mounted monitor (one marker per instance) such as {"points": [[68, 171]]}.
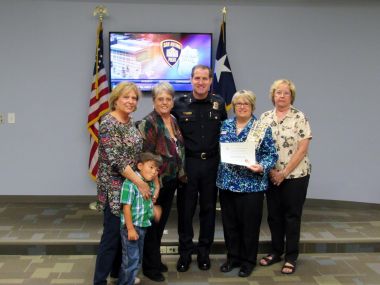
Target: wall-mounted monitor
{"points": [[148, 58]]}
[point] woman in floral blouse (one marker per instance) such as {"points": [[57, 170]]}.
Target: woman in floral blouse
{"points": [[241, 188], [162, 136], [119, 143], [290, 178]]}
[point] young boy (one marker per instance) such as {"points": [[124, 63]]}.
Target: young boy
{"points": [[136, 216]]}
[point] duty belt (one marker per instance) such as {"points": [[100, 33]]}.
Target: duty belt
{"points": [[202, 155]]}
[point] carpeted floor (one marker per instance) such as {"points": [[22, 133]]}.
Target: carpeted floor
{"points": [[46, 241]]}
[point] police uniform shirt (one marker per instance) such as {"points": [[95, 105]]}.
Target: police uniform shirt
{"points": [[200, 121]]}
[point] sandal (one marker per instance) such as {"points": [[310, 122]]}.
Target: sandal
{"points": [[289, 265], [269, 260]]}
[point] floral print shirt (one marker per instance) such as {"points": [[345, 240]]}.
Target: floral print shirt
{"points": [[237, 178], [157, 140], [119, 143], [288, 133]]}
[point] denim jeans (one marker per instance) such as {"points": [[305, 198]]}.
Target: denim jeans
{"points": [[108, 258], [132, 255]]}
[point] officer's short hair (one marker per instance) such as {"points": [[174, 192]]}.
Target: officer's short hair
{"points": [[201, 66]]}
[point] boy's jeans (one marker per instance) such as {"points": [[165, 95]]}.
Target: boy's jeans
{"points": [[132, 255]]}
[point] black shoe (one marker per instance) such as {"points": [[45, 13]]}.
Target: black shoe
{"points": [[183, 263], [203, 262], [155, 276], [229, 265], [163, 267], [246, 270]]}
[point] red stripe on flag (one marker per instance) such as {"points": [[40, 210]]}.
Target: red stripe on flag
{"points": [[98, 105]]}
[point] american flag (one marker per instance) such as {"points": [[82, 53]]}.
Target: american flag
{"points": [[223, 83], [98, 102]]}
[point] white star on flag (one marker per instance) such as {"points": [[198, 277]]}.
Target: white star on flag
{"points": [[221, 67]]}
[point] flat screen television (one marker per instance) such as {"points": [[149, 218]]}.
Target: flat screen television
{"points": [[148, 58]]}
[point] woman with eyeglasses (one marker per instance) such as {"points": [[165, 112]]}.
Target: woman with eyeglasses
{"points": [[289, 178], [242, 187]]}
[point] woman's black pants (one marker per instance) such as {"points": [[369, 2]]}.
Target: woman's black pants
{"points": [[285, 203]]}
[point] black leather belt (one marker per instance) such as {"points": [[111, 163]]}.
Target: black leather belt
{"points": [[202, 155]]}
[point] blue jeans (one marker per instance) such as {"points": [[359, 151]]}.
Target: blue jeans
{"points": [[132, 255], [109, 252]]}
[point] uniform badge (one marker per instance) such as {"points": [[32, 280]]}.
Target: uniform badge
{"points": [[171, 51], [215, 105], [187, 113]]}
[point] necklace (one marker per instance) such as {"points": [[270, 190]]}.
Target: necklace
{"points": [[241, 126]]}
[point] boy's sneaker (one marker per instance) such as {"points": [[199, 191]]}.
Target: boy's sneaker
{"points": [[114, 280]]}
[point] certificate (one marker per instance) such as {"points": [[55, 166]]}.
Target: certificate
{"points": [[239, 153]]}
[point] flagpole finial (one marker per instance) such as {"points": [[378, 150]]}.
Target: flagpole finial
{"points": [[100, 11], [224, 11]]}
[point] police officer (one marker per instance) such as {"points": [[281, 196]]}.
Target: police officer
{"points": [[199, 115]]}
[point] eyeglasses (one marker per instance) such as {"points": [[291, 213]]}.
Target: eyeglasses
{"points": [[280, 93], [242, 104]]}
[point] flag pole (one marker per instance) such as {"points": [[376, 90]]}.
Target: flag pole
{"points": [[98, 101], [224, 11], [100, 11]]}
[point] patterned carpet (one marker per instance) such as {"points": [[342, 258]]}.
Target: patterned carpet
{"points": [[320, 269], [54, 241]]}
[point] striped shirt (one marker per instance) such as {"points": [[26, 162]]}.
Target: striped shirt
{"points": [[142, 209]]}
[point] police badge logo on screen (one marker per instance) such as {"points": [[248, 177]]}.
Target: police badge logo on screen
{"points": [[171, 51]]}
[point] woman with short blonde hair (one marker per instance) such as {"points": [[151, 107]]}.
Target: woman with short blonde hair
{"points": [[242, 187], [290, 177], [119, 144]]}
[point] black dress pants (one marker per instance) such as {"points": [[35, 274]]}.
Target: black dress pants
{"points": [[201, 174], [152, 242], [241, 217], [285, 204]]}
